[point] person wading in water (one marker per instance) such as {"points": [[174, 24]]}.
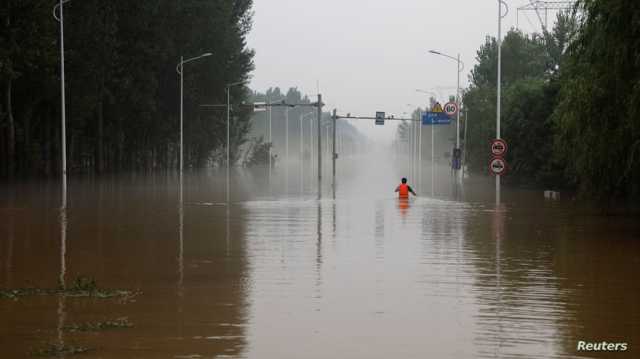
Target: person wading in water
{"points": [[404, 189]]}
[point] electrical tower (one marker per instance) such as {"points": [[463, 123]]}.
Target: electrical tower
{"points": [[545, 6]]}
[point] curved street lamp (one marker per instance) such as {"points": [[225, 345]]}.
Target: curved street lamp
{"points": [[460, 69], [228, 89], [63, 129], [179, 69]]}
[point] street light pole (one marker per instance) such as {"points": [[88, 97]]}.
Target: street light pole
{"points": [[301, 156], [229, 131], [286, 147], [420, 155], [412, 144], [466, 126], [312, 144], [62, 89], [302, 116], [433, 164], [458, 103], [179, 69], [334, 154], [270, 142], [460, 69], [499, 84], [228, 143], [433, 168], [63, 123], [319, 143], [181, 118]]}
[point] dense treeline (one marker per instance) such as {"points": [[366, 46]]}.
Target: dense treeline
{"points": [[598, 112], [570, 101], [122, 86]]}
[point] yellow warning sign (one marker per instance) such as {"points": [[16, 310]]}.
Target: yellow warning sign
{"points": [[437, 107]]}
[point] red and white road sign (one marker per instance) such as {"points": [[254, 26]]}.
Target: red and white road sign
{"points": [[498, 147], [498, 166], [450, 108]]}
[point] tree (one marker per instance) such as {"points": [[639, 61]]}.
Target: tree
{"points": [[530, 83], [122, 86], [598, 115]]}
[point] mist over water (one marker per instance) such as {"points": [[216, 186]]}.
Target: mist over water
{"points": [[287, 271]]}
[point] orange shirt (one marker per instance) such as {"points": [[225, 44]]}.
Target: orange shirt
{"points": [[403, 190]]}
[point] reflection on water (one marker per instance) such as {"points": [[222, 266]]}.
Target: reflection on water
{"points": [[63, 268], [285, 274]]}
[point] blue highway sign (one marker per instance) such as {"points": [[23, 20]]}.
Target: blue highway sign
{"points": [[435, 118]]}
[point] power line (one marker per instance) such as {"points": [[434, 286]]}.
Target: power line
{"points": [[545, 6]]}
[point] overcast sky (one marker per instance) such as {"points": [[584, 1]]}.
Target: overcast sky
{"points": [[371, 55]]}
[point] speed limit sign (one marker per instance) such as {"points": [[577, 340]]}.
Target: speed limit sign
{"points": [[451, 108]]}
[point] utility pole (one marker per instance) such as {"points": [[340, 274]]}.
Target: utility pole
{"points": [[466, 125], [228, 142], [335, 155], [413, 143], [460, 68], [458, 121], [228, 87], [270, 140], [311, 154], [319, 143], [458, 104], [301, 156], [433, 164], [286, 147], [419, 155], [63, 124], [499, 85]]}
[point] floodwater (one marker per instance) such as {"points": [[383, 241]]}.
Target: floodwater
{"points": [[281, 273]]}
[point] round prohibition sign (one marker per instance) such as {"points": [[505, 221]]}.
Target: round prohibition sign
{"points": [[497, 166], [450, 108], [498, 147]]}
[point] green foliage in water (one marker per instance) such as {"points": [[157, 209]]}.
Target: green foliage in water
{"points": [[59, 350], [257, 153], [81, 287], [119, 323]]}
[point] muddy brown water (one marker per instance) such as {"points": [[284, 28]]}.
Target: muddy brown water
{"points": [[280, 273]]}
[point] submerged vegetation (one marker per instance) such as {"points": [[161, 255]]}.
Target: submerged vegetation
{"points": [[257, 153], [119, 323], [59, 350], [81, 287]]}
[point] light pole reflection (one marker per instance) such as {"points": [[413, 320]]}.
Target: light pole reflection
{"points": [[497, 227], [319, 247], [181, 238], [63, 266]]}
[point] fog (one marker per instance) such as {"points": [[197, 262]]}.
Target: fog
{"points": [[371, 55]]}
